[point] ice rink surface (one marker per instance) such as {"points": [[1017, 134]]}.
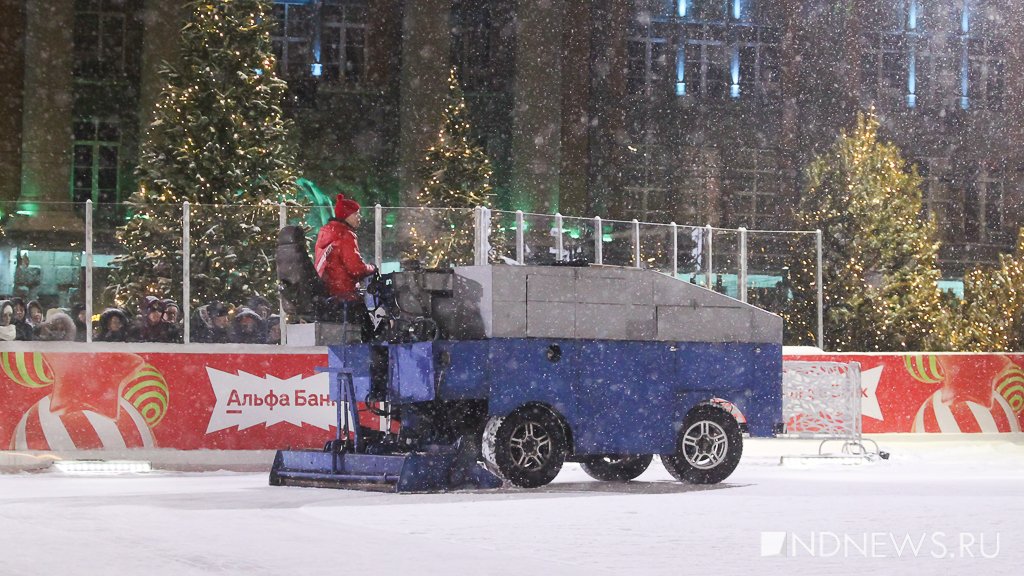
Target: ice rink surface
{"points": [[951, 505]]}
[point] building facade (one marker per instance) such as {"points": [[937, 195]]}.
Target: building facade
{"points": [[692, 111]]}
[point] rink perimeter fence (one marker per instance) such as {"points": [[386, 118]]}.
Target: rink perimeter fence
{"points": [[749, 265]]}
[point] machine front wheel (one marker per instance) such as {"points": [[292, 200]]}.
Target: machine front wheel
{"points": [[616, 467], [527, 447], [708, 449]]}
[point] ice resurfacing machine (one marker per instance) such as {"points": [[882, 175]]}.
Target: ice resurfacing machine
{"points": [[500, 374]]}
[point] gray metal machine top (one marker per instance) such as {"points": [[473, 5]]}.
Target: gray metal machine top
{"points": [[593, 302]]}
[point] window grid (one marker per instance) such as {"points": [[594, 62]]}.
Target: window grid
{"points": [[754, 182], [99, 38], [344, 43], [896, 62], [291, 40], [95, 170], [647, 62], [982, 59], [720, 60], [702, 49], [647, 185]]}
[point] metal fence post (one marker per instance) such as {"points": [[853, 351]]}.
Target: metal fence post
{"points": [[710, 248], [478, 232], [743, 265], [282, 320], [485, 235], [186, 288], [88, 270], [675, 250], [598, 241], [821, 293], [378, 235], [636, 243], [559, 247], [520, 242]]}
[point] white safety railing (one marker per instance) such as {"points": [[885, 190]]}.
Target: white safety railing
{"points": [[701, 254], [822, 400]]}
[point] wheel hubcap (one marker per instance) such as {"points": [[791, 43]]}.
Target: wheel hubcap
{"points": [[530, 446], [705, 445]]}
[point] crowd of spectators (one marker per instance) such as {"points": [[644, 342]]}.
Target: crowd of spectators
{"points": [[159, 320]]}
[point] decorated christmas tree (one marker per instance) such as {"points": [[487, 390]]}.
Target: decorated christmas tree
{"points": [[879, 256], [456, 177], [218, 141], [991, 315]]}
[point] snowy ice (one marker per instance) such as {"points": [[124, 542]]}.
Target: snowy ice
{"points": [[950, 505]]}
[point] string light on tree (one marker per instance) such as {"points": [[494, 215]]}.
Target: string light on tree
{"points": [[219, 141], [991, 316], [456, 176], [879, 257]]}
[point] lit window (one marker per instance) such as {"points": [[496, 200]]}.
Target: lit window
{"points": [[724, 60], [896, 61], [982, 58]]}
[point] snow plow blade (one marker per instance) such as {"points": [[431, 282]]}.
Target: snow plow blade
{"points": [[439, 471]]}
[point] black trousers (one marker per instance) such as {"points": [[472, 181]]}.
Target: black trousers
{"points": [[350, 311]]}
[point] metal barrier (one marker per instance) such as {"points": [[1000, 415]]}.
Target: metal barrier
{"points": [[822, 400], [745, 264]]}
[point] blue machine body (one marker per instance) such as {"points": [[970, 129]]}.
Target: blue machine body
{"points": [[616, 396]]}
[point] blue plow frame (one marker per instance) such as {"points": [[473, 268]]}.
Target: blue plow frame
{"points": [[342, 464], [433, 471]]}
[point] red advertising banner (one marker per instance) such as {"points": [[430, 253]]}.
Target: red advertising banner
{"points": [[65, 400], [108, 400], [937, 392]]}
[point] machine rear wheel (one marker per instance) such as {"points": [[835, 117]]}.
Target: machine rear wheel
{"points": [[527, 447], [708, 449], [616, 467]]}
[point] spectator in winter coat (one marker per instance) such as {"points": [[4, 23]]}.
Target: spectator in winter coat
{"points": [[113, 326], [249, 327], [57, 326], [172, 313], [21, 325], [210, 324], [339, 264], [78, 316], [19, 309], [260, 305], [7, 330], [274, 329], [152, 327], [34, 313]]}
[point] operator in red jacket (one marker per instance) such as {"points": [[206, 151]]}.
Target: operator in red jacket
{"points": [[338, 262]]}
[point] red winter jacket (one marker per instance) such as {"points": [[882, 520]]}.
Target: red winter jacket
{"points": [[337, 260]]}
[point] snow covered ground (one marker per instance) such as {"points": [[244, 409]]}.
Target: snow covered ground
{"points": [[951, 505]]}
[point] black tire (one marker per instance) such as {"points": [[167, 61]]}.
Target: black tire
{"points": [[708, 449], [527, 447], [616, 467]]}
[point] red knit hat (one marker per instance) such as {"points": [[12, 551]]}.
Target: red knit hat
{"points": [[344, 207]]}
